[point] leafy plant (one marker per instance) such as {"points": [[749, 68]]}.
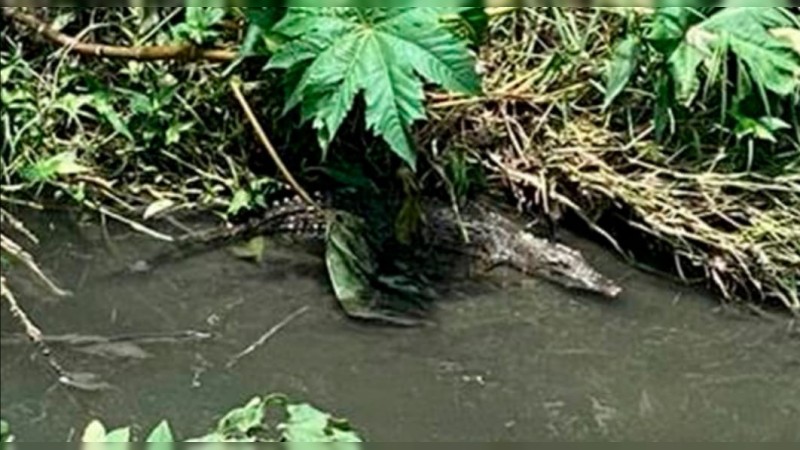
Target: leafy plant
{"points": [[753, 50], [301, 422], [199, 23], [335, 54], [65, 163]]}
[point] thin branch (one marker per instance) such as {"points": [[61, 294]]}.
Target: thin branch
{"points": [[31, 330], [266, 336], [12, 248], [145, 53], [237, 91]]}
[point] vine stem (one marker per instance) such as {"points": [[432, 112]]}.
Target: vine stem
{"points": [[262, 136]]}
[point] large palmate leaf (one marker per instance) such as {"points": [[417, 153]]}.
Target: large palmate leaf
{"points": [[746, 32], [384, 53]]}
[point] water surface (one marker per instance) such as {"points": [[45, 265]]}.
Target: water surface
{"points": [[507, 359]]}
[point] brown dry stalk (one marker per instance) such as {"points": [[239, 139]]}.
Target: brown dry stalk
{"points": [[145, 53], [262, 136]]}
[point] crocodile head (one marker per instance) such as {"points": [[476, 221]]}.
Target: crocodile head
{"points": [[568, 267]]}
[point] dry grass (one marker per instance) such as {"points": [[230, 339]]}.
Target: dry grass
{"points": [[541, 128]]}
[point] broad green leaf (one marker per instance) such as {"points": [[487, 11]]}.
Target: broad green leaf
{"points": [[238, 422], [119, 435], [308, 424], [771, 62], [94, 432], [669, 27], [621, 68], [350, 263], [161, 433], [684, 62], [384, 54], [260, 22]]}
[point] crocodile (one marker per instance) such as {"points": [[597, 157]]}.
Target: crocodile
{"points": [[478, 229], [494, 239]]}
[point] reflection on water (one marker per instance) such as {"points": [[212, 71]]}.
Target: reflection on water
{"points": [[509, 359]]}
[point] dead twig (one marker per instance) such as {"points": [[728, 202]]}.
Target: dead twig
{"points": [[266, 336], [15, 250]]}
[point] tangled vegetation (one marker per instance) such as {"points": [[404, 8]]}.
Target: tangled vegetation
{"points": [[704, 166], [131, 136], [672, 134]]}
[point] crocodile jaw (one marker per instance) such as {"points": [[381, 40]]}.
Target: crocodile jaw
{"points": [[567, 267]]}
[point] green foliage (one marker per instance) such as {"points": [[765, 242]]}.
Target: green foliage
{"points": [[384, 53], [351, 262], [743, 62], [161, 433], [96, 432], [65, 163], [5, 432], [300, 422], [199, 25]]}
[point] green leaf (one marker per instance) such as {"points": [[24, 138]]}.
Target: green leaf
{"points": [[621, 68], [350, 262], [772, 62], [763, 128], [94, 432], [241, 200], [65, 163], [119, 435], [5, 432], [161, 433], [308, 424], [690, 39], [384, 53], [260, 22], [239, 422]]}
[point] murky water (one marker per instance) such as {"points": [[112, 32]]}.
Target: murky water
{"points": [[508, 359]]}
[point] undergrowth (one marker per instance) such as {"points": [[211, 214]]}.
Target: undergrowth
{"points": [[677, 177], [681, 125]]}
